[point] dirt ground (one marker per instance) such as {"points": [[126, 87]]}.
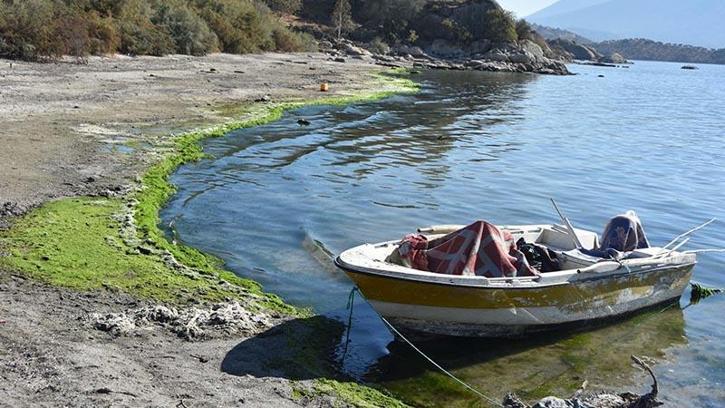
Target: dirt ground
{"points": [[70, 129]]}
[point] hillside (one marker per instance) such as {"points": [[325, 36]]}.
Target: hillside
{"points": [[641, 49], [697, 22], [469, 33], [550, 33]]}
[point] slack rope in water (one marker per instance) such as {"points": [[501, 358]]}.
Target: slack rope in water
{"points": [[483, 396]]}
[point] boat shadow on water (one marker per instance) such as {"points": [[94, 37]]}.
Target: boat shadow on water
{"points": [[298, 349]]}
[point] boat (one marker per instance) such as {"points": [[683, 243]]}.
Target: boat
{"points": [[592, 282]]}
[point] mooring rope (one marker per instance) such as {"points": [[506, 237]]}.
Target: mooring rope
{"points": [[486, 398]]}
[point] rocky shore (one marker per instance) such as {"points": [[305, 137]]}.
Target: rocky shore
{"points": [[442, 55]]}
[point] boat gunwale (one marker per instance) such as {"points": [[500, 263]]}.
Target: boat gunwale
{"points": [[412, 278]]}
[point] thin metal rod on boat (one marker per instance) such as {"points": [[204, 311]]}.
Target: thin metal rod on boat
{"points": [[699, 251], [665, 254], [699, 227], [568, 225]]}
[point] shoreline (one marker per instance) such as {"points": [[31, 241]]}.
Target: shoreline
{"points": [[132, 212]]}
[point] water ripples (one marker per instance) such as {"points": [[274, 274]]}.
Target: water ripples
{"points": [[276, 200]]}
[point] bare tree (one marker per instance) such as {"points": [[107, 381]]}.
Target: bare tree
{"points": [[342, 17]]}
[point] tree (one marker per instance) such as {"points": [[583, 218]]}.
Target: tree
{"points": [[342, 17]]}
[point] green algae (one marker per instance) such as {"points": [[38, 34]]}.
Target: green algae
{"points": [[75, 243], [345, 394], [156, 188], [353, 394], [82, 243]]}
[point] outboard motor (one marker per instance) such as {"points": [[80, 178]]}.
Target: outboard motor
{"points": [[624, 233]]}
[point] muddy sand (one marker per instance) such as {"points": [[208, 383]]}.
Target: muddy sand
{"points": [[69, 129]]}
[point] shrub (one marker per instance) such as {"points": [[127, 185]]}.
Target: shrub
{"points": [[240, 25], [189, 32], [524, 30], [39, 29], [393, 17], [139, 36], [285, 6], [104, 37], [289, 41], [29, 30], [499, 26], [378, 46]]}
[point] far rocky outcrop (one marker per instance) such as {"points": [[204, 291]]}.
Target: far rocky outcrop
{"points": [[573, 50], [457, 35], [525, 56], [642, 49]]}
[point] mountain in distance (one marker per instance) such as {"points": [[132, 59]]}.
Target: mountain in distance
{"points": [[695, 22], [565, 6]]}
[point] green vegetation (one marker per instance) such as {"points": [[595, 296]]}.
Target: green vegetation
{"points": [[356, 395], [92, 243], [43, 29], [76, 243], [47, 29], [342, 17], [412, 21], [88, 243]]}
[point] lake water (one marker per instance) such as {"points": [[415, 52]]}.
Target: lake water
{"points": [[276, 200]]}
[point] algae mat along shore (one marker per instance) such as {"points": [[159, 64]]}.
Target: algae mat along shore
{"points": [[115, 244]]}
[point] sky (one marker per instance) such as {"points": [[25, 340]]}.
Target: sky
{"points": [[523, 8]]}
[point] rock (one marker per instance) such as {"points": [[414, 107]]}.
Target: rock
{"points": [[356, 51], [145, 250], [10, 209], [554, 402], [578, 51], [533, 49], [416, 52], [496, 55], [524, 57], [265, 98], [691, 67], [303, 122], [480, 46], [444, 49], [339, 59], [614, 58], [190, 324]]}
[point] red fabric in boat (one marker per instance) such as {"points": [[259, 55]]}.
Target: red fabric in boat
{"points": [[479, 249]]}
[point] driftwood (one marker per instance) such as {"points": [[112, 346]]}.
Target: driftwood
{"points": [[623, 400]]}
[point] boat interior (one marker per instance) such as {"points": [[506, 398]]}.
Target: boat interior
{"points": [[572, 260]]}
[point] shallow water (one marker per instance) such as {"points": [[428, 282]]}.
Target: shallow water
{"points": [[275, 201]]}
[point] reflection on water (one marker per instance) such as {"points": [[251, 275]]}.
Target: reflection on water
{"points": [[275, 202], [553, 364]]}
